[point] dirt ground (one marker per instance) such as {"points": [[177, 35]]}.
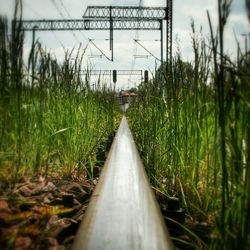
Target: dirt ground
{"points": [[38, 213], [42, 214]]}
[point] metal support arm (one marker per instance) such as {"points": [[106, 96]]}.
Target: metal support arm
{"points": [[89, 24]]}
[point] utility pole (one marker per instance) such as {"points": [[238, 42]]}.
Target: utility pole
{"points": [[162, 42], [247, 54], [245, 35], [33, 54]]}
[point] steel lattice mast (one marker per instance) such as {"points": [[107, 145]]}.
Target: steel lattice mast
{"points": [[169, 17]]}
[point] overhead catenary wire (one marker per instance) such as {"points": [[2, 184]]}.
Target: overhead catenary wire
{"points": [[55, 4], [26, 4], [135, 46], [61, 14], [59, 41], [65, 9], [74, 34]]}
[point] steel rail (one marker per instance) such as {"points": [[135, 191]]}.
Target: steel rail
{"points": [[123, 213]]}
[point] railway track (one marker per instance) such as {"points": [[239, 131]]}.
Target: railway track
{"points": [[123, 212]]}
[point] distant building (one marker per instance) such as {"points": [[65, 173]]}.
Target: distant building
{"points": [[125, 96]]}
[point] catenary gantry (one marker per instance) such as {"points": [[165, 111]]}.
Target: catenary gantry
{"points": [[114, 18]]}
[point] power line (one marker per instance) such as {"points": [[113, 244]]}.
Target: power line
{"points": [[31, 8], [61, 14], [65, 9], [135, 46], [54, 33], [36, 13], [57, 8]]}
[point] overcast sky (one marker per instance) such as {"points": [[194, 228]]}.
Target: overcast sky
{"points": [[124, 46]]}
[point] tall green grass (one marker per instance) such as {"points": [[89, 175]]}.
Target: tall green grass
{"points": [[51, 120], [192, 130]]}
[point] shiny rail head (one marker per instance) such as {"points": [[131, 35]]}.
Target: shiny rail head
{"points": [[123, 212]]}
